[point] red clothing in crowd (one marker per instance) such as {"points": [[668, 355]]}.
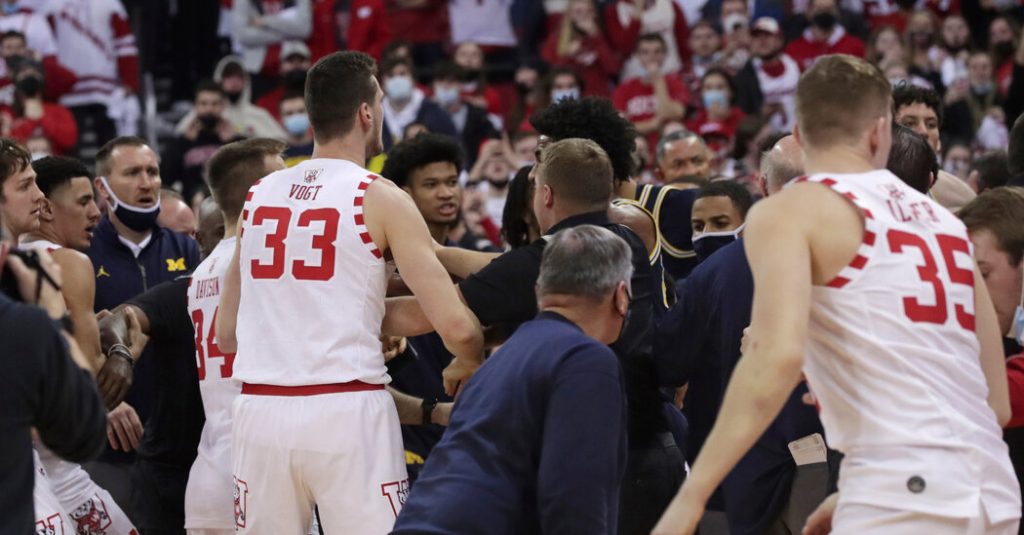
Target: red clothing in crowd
{"points": [[427, 24], [1015, 376], [57, 125], [806, 49], [635, 99], [595, 61], [625, 38], [704, 125], [363, 27]]}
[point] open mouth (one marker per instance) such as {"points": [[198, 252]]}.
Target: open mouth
{"points": [[448, 209], [145, 201]]}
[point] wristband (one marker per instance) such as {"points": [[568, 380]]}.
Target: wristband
{"points": [[428, 408], [121, 350]]}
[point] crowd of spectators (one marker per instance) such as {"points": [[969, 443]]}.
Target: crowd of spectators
{"points": [[724, 69]]}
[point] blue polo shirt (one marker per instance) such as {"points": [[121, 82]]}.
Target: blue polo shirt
{"points": [[699, 342], [536, 443], [121, 276]]}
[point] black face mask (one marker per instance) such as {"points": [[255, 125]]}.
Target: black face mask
{"points": [[30, 86], [826, 20], [234, 96], [523, 89], [208, 121], [470, 75], [295, 80], [906, 4]]}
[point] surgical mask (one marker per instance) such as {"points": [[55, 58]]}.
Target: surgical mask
{"points": [[446, 96], [297, 124], [956, 167], [706, 244], [713, 97], [135, 218], [39, 155], [983, 88], [558, 95], [11, 9], [399, 88], [1017, 325]]}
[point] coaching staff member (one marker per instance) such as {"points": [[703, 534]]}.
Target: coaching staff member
{"points": [[551, 401]]}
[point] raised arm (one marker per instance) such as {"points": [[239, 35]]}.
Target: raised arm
{"points": [[122, 334], [395, 223], [993, 363], [227, 314], [780, 259]]}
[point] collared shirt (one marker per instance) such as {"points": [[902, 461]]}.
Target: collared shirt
{"points": [[536, 458], [121, 274], [136, 248]]}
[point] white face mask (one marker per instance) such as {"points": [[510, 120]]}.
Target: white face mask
{"points": [[1017, 325]]}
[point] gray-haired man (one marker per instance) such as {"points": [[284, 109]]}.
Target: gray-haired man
{"points": [[537, 440]]}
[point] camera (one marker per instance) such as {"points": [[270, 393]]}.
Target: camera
{"points": [[9, 283]]}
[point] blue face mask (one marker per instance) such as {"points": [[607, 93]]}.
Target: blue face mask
{"points": [[446, 96], [138, 219], [715, 97], [399, 88], [558, 95], [10, 9], [297, 124], [706, 244]]}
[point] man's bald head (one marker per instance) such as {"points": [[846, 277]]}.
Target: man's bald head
{"points": [[176, 215], [782, 163], [211, 226]]}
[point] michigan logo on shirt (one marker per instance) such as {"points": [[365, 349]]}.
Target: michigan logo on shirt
{"points": [[175, 264]]}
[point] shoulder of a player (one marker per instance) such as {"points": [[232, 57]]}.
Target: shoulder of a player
{"points": [[70, 259]]}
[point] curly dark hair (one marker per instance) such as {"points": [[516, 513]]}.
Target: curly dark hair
{"points": [[594, 119], [905, 94], [422, 150]]}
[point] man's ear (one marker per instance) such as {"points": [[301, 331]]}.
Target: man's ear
{"points": [[46, 210], [548, 195], [622, 298]]}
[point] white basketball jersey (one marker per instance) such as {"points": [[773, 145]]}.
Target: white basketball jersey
{"points": [[39, 245], [208, 501], [780, 90], [50, 518], [313, 281], [894, 360]]}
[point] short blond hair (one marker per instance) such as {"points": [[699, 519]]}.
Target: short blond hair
{"points": [[579, 171], [838, 98]]}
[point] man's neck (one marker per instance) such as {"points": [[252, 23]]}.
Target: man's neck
{"points": [[838, 160], [43, 234], [626, 190], [230, 228], [398, 106], [439, 231], [579, 311], [134, 236], [350, 147], [821, 35]]}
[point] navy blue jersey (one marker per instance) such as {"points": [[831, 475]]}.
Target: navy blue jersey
{"points": [[536, 442], [671, 208]]}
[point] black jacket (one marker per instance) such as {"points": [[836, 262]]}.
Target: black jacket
{"points": [[42, 388]]}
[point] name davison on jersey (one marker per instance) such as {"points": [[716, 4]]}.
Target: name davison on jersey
{"points": [[208, 288]]}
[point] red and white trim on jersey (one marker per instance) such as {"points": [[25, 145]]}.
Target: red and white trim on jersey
{"points": [[867, 245], [245, 207], [357, 202]]}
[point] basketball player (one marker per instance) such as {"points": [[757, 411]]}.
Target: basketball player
{"points": [[306, 289], [67, 216], [875, 284], [232, 170]]}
